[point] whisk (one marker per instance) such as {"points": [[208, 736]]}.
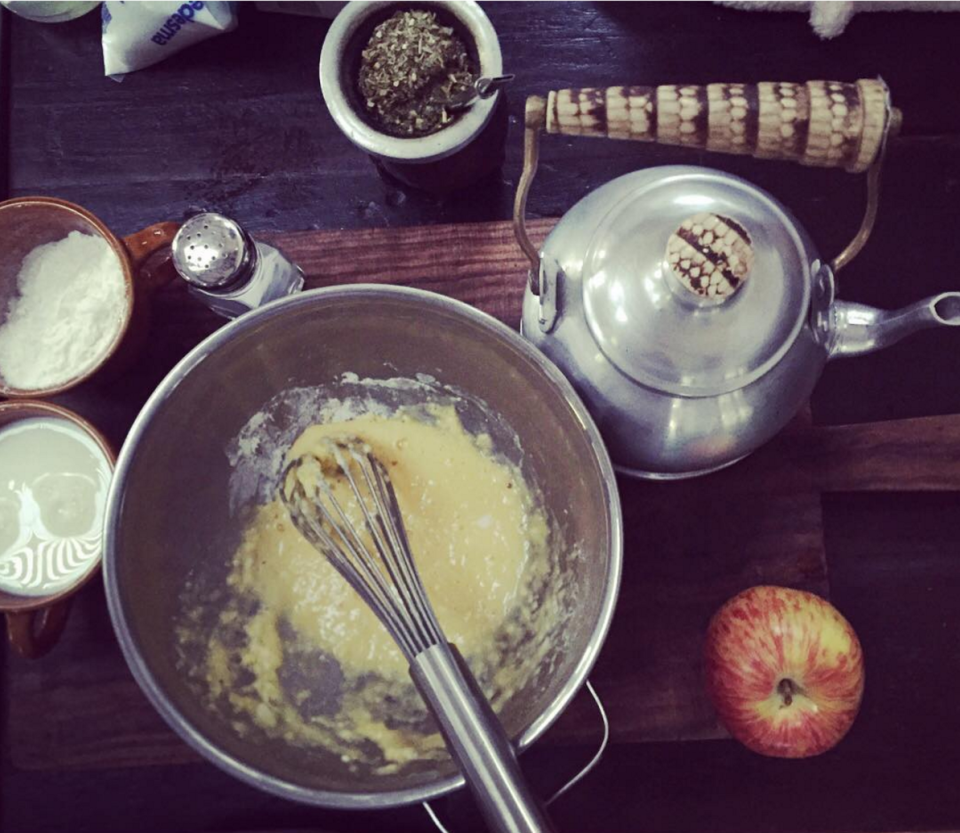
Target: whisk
{"points": [[381, 568]]}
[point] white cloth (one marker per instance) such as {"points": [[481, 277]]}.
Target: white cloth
{"points": [[829, 17]]}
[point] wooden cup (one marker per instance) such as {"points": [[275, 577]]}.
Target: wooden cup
{"points": [[28, 222], [34, 623]]}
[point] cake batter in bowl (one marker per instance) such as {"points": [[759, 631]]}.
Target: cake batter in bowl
{"points": [[199, 472]]}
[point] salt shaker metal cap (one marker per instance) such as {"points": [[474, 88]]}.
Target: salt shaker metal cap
{"points": [[227, 269], [211, 251]]}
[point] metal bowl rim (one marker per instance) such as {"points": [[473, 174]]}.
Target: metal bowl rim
{"points": [[145, 679]]}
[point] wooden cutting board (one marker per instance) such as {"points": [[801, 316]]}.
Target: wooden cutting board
{"points": [[688, 546]]}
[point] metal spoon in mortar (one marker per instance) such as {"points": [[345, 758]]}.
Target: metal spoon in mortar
{"points": [[481, 88]]}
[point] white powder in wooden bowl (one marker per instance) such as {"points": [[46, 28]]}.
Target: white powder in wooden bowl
{"points": [[69, 305]]}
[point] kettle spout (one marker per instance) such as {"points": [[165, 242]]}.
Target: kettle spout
{"points": [[857, 328]]}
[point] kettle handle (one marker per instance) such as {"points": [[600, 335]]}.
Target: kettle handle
{"points": [[824, 123]]}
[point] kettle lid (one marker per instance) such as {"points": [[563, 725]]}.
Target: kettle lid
{"points": [[696, 283]]}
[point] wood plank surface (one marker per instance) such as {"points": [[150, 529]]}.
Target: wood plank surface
{"points": [[477, 263], [675, 573], [769, 530], [906, 455]]}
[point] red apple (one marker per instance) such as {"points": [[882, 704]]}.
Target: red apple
{"points": [[784, 671]]}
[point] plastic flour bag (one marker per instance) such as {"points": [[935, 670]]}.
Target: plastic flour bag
{"points": [[138, 34]]}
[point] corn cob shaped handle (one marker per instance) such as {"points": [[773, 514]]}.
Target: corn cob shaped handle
{"points": [[825, 123]]}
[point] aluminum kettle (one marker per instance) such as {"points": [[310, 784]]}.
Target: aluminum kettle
{"points": [[689, 308]]}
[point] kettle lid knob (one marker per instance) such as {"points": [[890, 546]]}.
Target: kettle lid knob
{"points": [[710, 255]]}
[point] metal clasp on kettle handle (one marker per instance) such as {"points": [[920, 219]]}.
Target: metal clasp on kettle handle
{"points": [[853, 248], [823, 123], [535, 119]]}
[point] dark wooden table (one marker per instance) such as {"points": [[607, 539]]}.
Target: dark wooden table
{"points": [[237, 124]]}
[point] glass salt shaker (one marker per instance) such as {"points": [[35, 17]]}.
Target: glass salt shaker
{"points": [[227, 269]]}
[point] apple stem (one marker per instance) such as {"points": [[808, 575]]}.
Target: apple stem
{"points": [[786, 688]]}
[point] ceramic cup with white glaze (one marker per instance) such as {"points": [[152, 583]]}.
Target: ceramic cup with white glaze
{"points": [[458, 155], [36, 619]]}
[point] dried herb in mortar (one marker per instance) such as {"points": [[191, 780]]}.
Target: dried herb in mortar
{"points": [[411, 65]]}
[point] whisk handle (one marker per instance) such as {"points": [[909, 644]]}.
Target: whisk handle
{"points": [[477, 741]]}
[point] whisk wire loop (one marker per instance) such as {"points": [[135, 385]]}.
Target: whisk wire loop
{"points": [[382, 570], [314, 518], [409, 576], [384, 522]]}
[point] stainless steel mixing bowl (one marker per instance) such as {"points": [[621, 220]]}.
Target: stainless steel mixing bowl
{"points": [[169, 509]]}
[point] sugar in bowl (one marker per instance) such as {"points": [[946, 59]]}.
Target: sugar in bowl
{"points": [[71, 294]]}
